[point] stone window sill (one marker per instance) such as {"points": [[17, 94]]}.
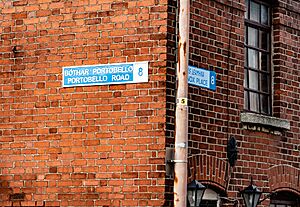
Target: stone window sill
{"points": [[266, 121]]}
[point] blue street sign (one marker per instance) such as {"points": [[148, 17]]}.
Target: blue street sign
{"points": [[118, 73], [202, 78]]}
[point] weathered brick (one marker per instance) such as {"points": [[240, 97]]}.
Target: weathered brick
{"points": [[105, 145]]}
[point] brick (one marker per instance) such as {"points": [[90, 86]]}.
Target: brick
{"points": [[91, 183], [53, 170], [42, 144], [79, 176], [105, 145], [67, 37], [91, 142], [53, 130], [119, 5], [20, 3]]}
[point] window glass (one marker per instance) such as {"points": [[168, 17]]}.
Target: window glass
{"points": [[257, 82], [264, 15], [253, 80], [210, 198], [254, 11], [252, 37], [264, 39], [247, 9], [285, 199], [264, 83], [254, 102], [265, 104], [264, 61], [252, 58], [208, 203]]}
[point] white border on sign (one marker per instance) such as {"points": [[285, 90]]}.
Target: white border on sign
{"points": [[140, 79]]}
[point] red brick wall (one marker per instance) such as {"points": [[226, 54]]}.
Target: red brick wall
{"points": [[286, 60], [217, 42], [273, 158], [105, 145], [81, 146], [269, 155]]}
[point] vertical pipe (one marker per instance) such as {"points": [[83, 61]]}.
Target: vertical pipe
{"points": [[181, 121]]}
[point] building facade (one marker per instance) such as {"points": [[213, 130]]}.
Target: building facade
{"points": [[107, 144]]}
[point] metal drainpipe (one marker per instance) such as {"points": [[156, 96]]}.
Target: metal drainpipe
{"points": [[181, 121]]}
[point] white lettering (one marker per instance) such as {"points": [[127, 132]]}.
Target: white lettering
{"points": [[191, 79], [201, 82], [89, 79], [197, 73], [73, 80], [112, 70], [120, 77], [77, 72]]}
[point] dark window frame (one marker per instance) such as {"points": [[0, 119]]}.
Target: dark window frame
{"points": [[209, 203], [260, 90], [284, 198]]}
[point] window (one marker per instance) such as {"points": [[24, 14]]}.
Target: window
{"points": [[257, 82], [210, 199], [285, 199]]}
